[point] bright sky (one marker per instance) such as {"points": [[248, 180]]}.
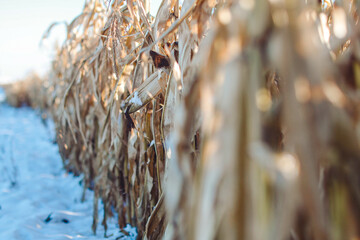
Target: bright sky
{"points": [[22, 24]]}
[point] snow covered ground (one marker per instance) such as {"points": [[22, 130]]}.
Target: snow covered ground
{"points": [[38, 199]]}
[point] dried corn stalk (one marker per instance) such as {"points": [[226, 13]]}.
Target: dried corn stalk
{"points": [[250, 129]]}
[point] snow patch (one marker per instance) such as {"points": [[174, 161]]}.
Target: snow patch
{"points": [[2, 95], [38, 199], [135, 99]]}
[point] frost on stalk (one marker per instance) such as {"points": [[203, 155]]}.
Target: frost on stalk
{"points": [[136, 100]]}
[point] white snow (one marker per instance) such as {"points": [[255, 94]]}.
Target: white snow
{"points": [[35, 187], [2, 95], [135, 99]]}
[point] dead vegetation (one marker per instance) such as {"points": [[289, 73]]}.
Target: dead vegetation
{"points": [[249, 130], [26, 92]]}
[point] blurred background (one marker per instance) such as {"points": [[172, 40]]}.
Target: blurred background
{"points": [[23, 23]]}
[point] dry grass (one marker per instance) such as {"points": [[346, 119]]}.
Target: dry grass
{"points": [[27, 92], [252, 132]]}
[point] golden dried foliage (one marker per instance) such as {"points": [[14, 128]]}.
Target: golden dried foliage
{"points": [[26, 92], [252, 132]]}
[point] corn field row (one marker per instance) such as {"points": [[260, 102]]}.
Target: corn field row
{"points": [[215, 119]]}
